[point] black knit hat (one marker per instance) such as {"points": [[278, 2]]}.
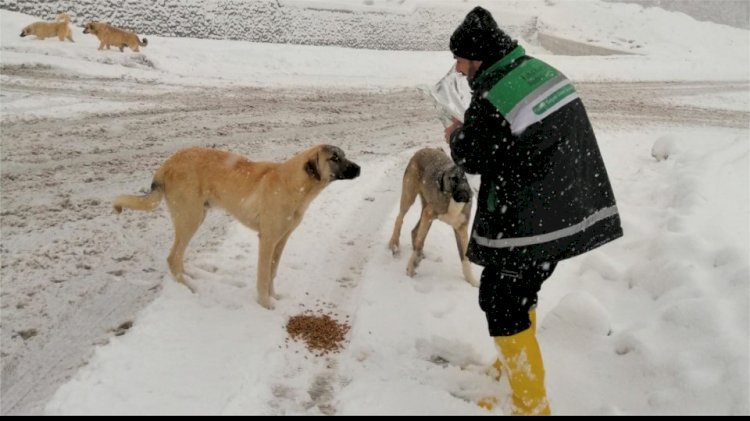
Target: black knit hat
{"points": [[479, 38]]}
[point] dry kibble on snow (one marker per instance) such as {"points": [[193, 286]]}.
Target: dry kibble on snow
{"points": [[320, 332]]}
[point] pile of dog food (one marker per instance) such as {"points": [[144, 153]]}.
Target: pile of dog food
{"points": [[322, 333]]}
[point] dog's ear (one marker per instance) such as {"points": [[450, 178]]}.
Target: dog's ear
{"points": [[311, 167]]}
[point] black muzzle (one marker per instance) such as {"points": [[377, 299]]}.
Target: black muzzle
{"points": [[462, 193], [350, 171]]}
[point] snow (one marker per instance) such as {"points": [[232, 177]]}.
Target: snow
{"points": [[656, 322]]}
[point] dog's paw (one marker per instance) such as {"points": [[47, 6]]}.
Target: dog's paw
{"points": [[470, 279], [394, 248], [411, 271], [266, 303], [411, 268], [188, 286]]}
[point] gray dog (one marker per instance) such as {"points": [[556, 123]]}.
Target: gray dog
{"points": [[445, 194]]}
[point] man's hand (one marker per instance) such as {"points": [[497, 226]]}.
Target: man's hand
{"points": [[450, 129]]}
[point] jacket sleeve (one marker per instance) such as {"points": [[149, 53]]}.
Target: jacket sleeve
{"points": [[477, 146]]}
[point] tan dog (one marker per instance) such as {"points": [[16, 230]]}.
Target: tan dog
{"points": [[58, 28], [445, 195], [268, 197], [109, 35]]}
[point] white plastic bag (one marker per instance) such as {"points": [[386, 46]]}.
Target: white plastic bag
{"points": [[452, 95]]}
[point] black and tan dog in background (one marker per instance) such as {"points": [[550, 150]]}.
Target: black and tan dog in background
{"points": [[58, 28], [446, 195], [268, 197]]}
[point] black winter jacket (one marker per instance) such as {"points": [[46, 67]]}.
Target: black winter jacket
{"points": [[544, 195]]}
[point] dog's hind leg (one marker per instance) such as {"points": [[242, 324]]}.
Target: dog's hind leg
{"points": [[462, 241], [418, 235], [186, 220], [409, 193]]}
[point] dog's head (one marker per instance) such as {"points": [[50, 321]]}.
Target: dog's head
{"points": [[26, 31], [328, 163], [453, 182], [91, 28]]}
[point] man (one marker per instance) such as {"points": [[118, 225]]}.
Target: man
{"points": [[544, 194]]}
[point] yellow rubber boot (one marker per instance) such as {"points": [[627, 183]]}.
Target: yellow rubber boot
{"points": [[497, 366], [496, 370], [522, 363]]}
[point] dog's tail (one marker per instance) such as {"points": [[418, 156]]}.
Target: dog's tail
{"points": [[146, 202], [142, 43], [63, 17]]}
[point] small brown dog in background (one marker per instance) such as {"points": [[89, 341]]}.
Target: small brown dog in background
{"points": [[57, 28], [268, 197], [109, 35], [445, 194]]}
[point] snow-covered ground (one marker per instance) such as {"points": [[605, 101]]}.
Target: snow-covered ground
{"points": [[654, 323]]}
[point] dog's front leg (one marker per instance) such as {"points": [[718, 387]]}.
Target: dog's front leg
{"points": [[265, 269], [462, 241], [278, 250], [393, 244], [418, 235]]}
